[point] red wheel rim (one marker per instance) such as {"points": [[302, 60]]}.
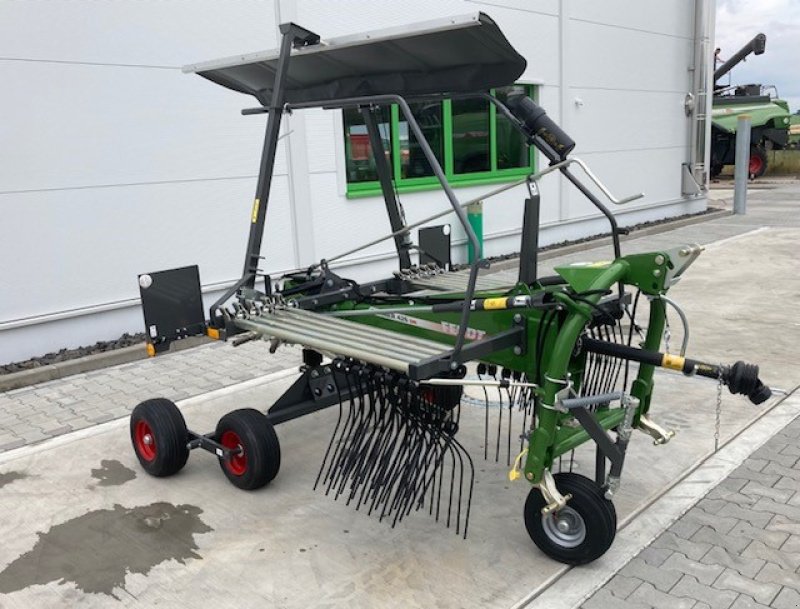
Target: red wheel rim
{"points": [[755, 164], [145, 440], [237, 464]]}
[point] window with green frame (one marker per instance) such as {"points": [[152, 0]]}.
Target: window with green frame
{"points": [[471, 140]]}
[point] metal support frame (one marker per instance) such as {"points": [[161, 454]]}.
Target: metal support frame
{"points": [[208, 443], [292, 35], [450, 360], [529, 247], [315, 389], [402, 241]]}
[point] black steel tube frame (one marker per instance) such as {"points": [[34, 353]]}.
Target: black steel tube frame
{"points": [[529, 248], [401, 241], [554, 158], [264, 183], [209, 443]]}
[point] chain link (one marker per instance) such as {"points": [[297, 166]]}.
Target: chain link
{"points": [[667, 335], [718, 411]]}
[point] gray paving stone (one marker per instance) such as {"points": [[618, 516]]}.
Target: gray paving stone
{"points": [[792, 545], [761, 592], [759, 490], [689, 587], [704, 573], [650, 596], [746, 602], [744, 473], [659, 577], [712, 506], [684, 528], [34, 435], [774, 539], [75, 422], [730, 484], [12, 444], [741, 499], [773, 507], [772, 573], [787, 599], [771, 452], [603, 599], [711, 537], [746, 566], [791, 449], [56, 430], [756, 518], [786, 483], [756, 549], [754, 463], [655, 556], [691, 549], [775, 469], [720, 524], [621, 586], [780, 522]]}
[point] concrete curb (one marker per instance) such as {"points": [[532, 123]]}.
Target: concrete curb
{"points": [[97, 361], [88, 363]]}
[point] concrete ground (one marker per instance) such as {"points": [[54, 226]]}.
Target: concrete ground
{"points": [[85, 527]]}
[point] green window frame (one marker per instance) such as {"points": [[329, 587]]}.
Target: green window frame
{"points": [[358, 189]]}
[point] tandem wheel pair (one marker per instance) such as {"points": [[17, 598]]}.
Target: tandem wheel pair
{"points": [[249, 455]]}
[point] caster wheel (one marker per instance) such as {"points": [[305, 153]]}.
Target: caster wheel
{"points": [[580, 532], [159, 437], [259, 458]]}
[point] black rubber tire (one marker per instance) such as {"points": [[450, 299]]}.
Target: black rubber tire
{"points": [[167, 452], [261, 457], [758, 151], [597, 512]]}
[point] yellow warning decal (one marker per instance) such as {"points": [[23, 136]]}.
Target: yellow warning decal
{"points": [[490, 304], [673, 362], [256, 204]]}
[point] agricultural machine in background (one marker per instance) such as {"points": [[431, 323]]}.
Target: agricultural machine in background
{"points": [[550, 360], [769, 116]]}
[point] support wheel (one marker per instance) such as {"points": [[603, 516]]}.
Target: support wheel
{"points": [[580, 532], [259, 457], [159, 437], [758, 161]]}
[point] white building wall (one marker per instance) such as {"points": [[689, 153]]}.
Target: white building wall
{"points": [[113, 163]]}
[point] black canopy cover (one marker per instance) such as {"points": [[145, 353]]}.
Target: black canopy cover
{"points": [[454, 55]]}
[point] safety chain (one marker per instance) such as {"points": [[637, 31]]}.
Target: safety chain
{"points": [[720, 383], [667, 334]]}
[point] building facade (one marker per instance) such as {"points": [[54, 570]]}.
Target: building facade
{"points": [[115, 163]]}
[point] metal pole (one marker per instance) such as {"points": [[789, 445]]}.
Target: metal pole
{"points": [[402, 241], [742, 166]]}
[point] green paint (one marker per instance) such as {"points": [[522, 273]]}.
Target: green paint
{"points": [[475, 217]]}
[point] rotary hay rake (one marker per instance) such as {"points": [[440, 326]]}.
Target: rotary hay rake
{"points": [[547, 356]]}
